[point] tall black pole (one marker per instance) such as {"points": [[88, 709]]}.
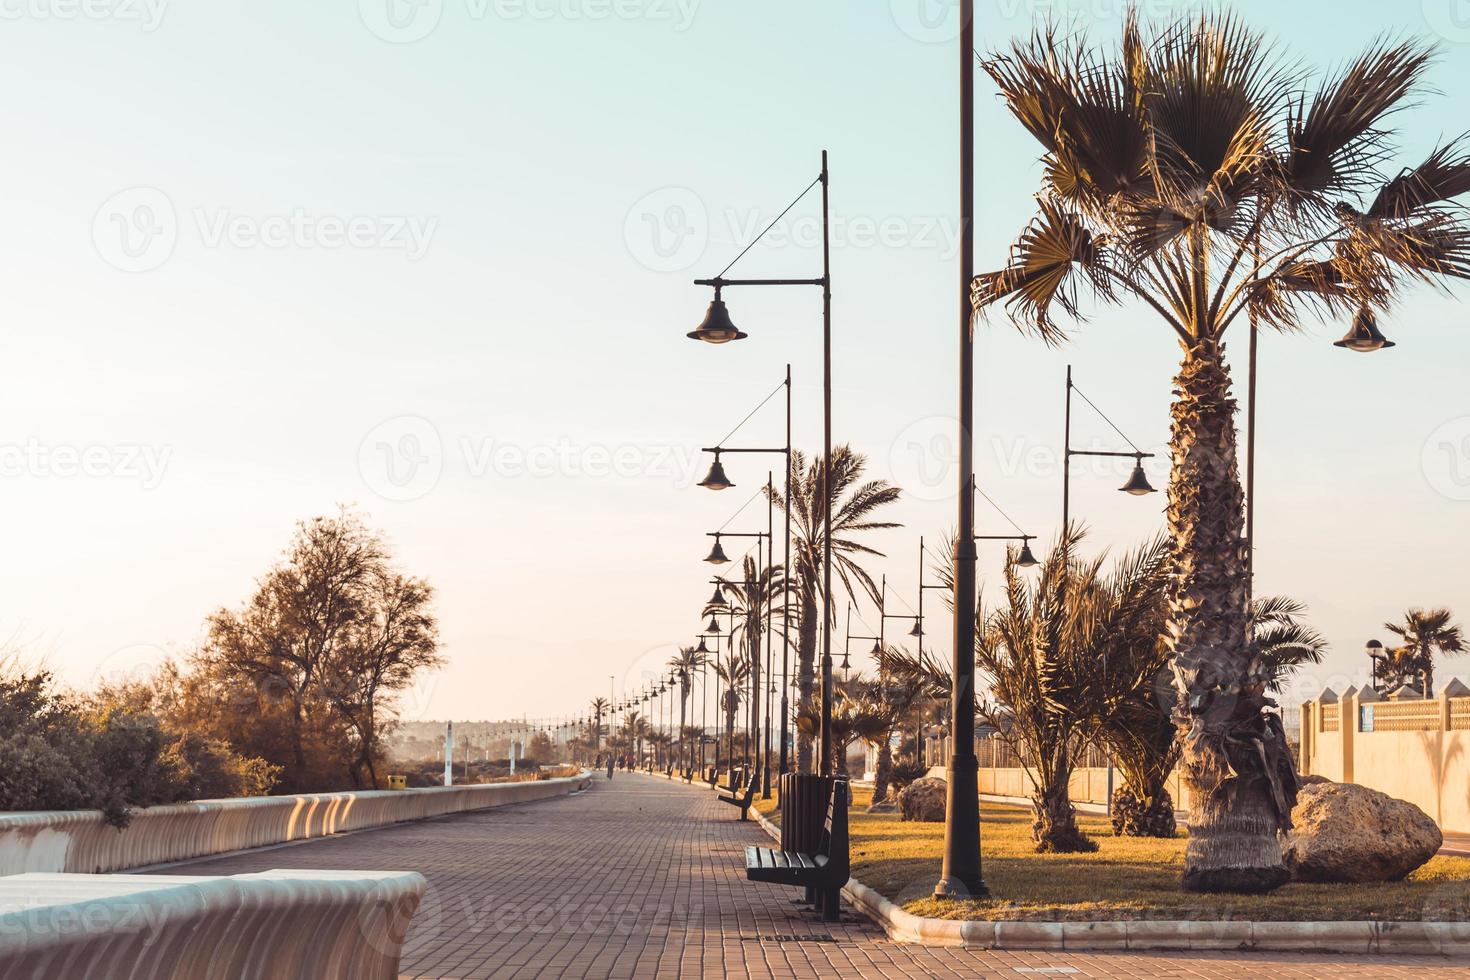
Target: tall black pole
{"points": [[770, 638], [1250, 461], [786, 596], [827, 765], [1067, 462], [960, 877]]}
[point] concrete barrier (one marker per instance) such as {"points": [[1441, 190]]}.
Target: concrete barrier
{"points": [[333, 925], [80, 841]]}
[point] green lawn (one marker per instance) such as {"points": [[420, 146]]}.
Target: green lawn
{"points": [[1128, 877]]}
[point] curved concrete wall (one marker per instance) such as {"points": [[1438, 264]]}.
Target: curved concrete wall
{"points": [[328, 925], [79, 841]]}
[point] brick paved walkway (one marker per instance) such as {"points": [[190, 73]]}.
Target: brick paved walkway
{"points": [[641, 878]]}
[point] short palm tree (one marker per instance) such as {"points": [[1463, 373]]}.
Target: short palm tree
{"points": [[857, 715], [1425, 632], [855, 504], [1194, 171]]}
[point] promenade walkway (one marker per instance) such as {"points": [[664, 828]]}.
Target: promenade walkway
{"points": [[641, 878]]}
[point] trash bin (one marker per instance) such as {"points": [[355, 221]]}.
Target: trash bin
{"points": [[398, 782]]}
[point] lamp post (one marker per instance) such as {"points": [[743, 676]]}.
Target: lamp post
{"points": [[1375, 651], [1137, 484], [717, 479], [718, 328], [960, 875]]}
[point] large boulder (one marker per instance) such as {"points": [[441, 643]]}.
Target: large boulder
{"points": [[923, 800], [1348, 833]]}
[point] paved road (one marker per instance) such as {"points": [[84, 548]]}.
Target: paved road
{"points": [[641, 878]]}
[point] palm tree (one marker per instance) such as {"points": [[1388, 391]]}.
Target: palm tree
{"points": [[1043, 662], [904, 685], [1195, 172], [735, 674], [599, 707], [850, 516], [686, 664], [755, 595], [1425, 633], [1281, 641], [857, 715]]}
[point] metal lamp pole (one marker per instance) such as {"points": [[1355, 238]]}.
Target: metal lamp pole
{"points": [[717, 328], [960, 875]]}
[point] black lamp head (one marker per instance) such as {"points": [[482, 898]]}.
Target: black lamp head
{"points": [[716, 478], [718, 599], [714, 625], [1138, 484], [717, 554], [717, 327], [918, 629], [1365, 336], [1026, 559], [701, 648]]}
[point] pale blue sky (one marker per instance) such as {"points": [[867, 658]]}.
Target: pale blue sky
{"points": [[447, 241]]}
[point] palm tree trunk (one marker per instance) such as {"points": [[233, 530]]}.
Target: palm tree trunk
{"points": [[1241, 782], [806, 653], [883, 773], [1055, 828], [1146, 811]]}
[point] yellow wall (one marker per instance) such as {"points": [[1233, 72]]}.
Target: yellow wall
{"points": [[1430, 769]]}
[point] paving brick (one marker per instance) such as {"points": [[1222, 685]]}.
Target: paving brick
{"points": [[639, 878]]}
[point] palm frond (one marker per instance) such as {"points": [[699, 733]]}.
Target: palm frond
{"points": [[1054, 256]]}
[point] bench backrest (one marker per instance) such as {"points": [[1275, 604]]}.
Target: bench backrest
{"points": [[834, 829]]}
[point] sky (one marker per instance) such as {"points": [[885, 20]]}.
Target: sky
{"points": [[434, 259]]}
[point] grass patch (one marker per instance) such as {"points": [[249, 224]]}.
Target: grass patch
{"points": [[1127, 878]]}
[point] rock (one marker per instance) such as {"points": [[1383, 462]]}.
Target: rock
{"points": [[923, 800], [1348, 833], [1312, 780]]}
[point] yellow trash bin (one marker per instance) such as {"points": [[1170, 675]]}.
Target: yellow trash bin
{"points": [[398, 782]]}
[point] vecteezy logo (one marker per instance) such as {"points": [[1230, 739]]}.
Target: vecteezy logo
{"points": [[929, 21], [136, 230], [401, 459], [1446, 459], [1450, 19], [668, 230], [925, 458], [401, 21]]}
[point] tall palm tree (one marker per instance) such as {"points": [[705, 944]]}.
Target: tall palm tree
{"points": [[735, 674], [686, 664], [756, 593], [1194, 170], [599, 707], [1425, 633], [855, 503]]}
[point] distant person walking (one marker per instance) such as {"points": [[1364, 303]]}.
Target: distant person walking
{"points": [[609, 766]]}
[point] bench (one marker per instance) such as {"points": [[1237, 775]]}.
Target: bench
{"points": [[742, 797], [823, 873]]}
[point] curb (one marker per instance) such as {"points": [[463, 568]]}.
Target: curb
{"points": [[1176, 935]]}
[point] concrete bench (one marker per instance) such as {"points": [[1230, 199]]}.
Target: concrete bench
{"points": [[322, 924]]}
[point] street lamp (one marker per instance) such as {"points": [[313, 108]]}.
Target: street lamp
{"points": [[1137, 484], [717, 479], [718, 328], [1364, 337], [1375, 651]]}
